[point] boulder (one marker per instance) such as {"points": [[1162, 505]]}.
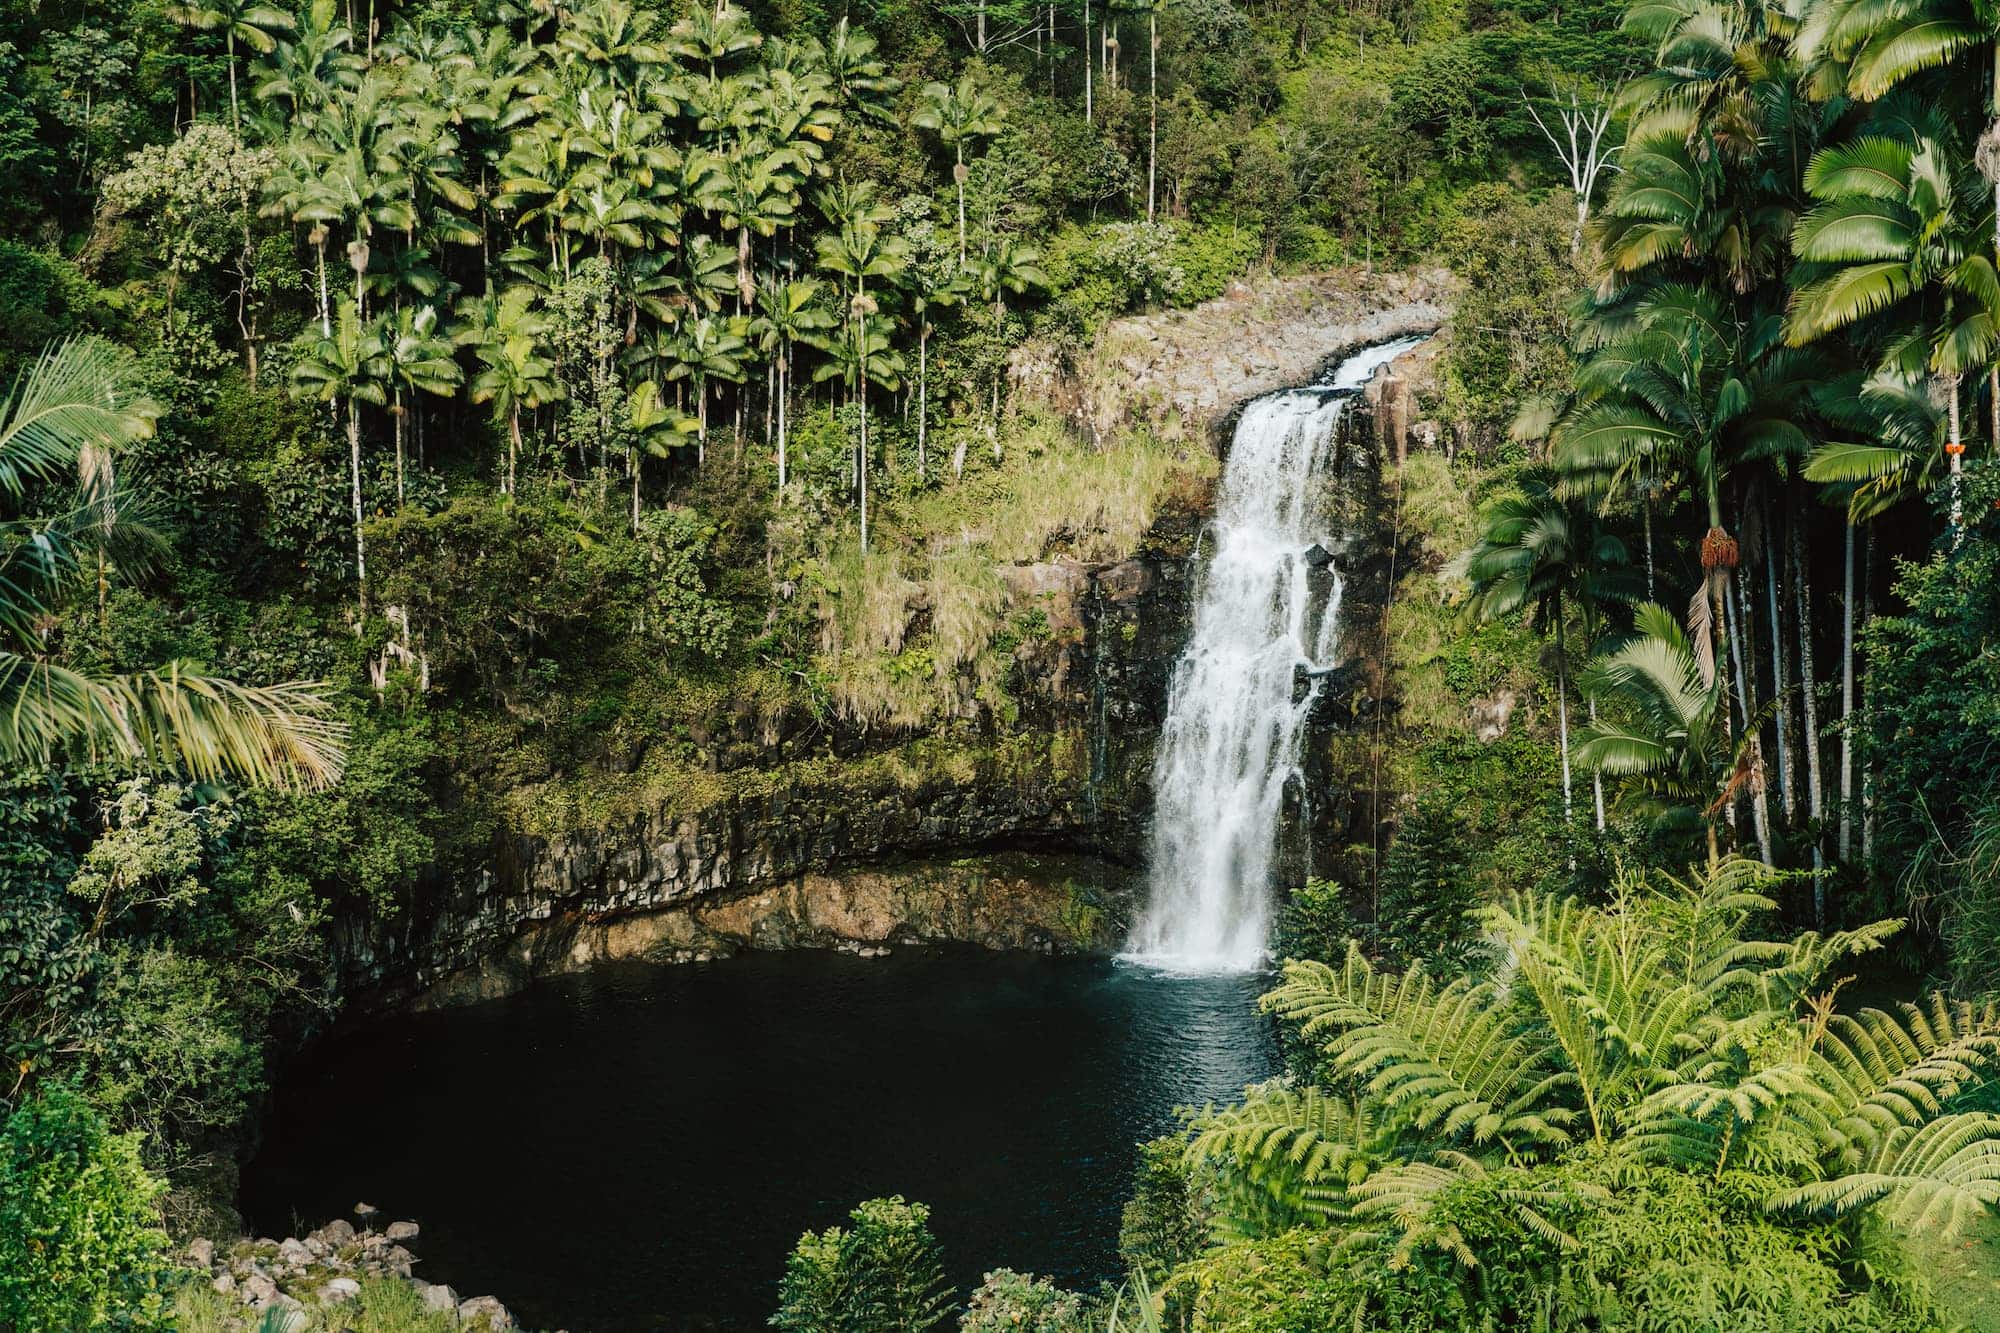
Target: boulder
{"points": [[337, 1233], [367, 1212], [201, 1253], [402, 1231], [339, 1291], [437, 1297], [488, 1308], [259, 1290], [225, 1284], [294, 1252]]}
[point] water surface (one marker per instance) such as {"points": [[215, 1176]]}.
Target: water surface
{"points": [[639, 1147]]}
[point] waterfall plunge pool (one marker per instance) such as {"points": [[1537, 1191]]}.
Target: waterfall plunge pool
{"points": [[639, 1147]]}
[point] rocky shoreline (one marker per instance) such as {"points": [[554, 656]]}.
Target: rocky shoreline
{"points": [[326, 1268]]}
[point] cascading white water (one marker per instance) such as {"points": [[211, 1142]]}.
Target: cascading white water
{"points": [[1235, 716]]}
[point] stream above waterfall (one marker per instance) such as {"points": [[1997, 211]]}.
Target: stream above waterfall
{"points": [[638, 1147]]}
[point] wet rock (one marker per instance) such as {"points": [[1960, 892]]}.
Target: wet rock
{"points": [[337, 1233], [367, 1212], [398, 1232]]}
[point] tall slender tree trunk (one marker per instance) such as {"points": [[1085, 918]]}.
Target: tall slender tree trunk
{"points": [[1648, 508], [354, 477], [958, 177], [229, 43], [1089, 109], [1596, 775], [1815, 802], [1760, 809], [1789, 804], [513, 443], [1955, 448], [325, 305], [1152, 106], [923, 393], [396, 411], [861, 456], [784, 392], [1845, 845], [1867, 707], [1562, 711]]}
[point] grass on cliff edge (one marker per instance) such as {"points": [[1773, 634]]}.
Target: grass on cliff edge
{"points": [[915, 632]]}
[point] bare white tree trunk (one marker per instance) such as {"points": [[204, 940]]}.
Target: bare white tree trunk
{"points": [[1867, 700], [1815, 806], [1845, 844], [1778, 684], [1581, 149], [1760, 810]]}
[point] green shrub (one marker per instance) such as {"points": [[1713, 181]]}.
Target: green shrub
{"points": [[881, 1274], [1315, 922], [1428, 896], [1011, 1302], [80, 1245], [1167, 1221]]}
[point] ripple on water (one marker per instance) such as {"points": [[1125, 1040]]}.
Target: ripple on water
{"points": [[640, 1147]]}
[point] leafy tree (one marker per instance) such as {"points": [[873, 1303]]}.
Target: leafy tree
{"points": [[80, 1243]]}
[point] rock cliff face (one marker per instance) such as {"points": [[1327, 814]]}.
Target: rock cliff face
{"points": [[1027, 837]]}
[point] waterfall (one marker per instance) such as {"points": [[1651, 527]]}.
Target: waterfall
{"points": [[1235, 714]]}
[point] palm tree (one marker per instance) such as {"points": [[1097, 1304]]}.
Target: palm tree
{"points": [[254, 24], [856, 66], [506, 333], [1650, 1032], [1694, 384], [68, 414], [656, 428], [788, 315], [932, 290], [1151, 9], [959, 116], [1900, 434], [419, 359], [861, 250], [1548, 555], [311, 70], [349, 366], [1894, 240], [1675, 745], [1008, 267], [703, 348]]}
